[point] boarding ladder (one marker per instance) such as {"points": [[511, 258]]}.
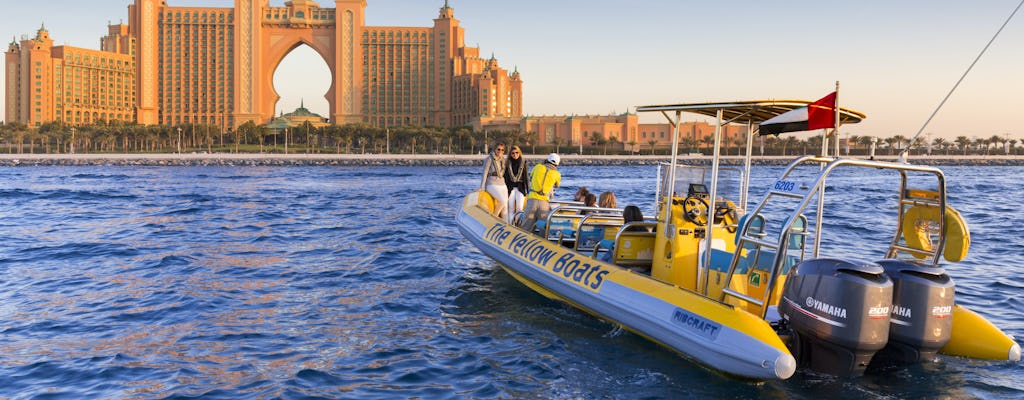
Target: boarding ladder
{"points": [[920, 198], [803, 191]]}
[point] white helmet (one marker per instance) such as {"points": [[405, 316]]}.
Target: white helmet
{"points": [[554, 159]]}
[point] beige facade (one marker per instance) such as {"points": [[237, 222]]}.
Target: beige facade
{"points": [[624, 129], [75, 86], [215, 66]]}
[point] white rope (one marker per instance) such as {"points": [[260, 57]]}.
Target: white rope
{"points": [[903, 153]]}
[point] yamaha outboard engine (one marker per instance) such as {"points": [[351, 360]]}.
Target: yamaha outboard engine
{"points": [[922, 311], [839, 314]]}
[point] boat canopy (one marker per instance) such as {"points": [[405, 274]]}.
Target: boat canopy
{"points": [[749, 111]]}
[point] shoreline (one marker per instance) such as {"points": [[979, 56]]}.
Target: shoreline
{"points": [[254, 159]]}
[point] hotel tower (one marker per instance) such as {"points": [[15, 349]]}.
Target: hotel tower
{"points": [[181, 65]]}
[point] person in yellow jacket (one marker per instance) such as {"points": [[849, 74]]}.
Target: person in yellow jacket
{"points": [[544, 178]]}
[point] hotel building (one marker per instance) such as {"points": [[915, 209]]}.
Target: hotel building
{"points": [[62, 83], [574, 130], [181, 65]]}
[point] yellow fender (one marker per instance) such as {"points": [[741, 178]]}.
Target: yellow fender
{"points": [[915, 231], [974, 336], [485, 200]]}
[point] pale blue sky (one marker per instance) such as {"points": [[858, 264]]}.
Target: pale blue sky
{"points": [[895, 59]]}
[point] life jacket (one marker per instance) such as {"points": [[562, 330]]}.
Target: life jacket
{"points": [[543, 180]]}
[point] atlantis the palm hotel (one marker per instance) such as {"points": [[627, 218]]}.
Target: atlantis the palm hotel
{"points": [[183, 65]]}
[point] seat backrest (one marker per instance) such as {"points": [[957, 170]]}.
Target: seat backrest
{"points": [[561, 226], [633, 248], [798, 234], [756, 226], [588, 236]]}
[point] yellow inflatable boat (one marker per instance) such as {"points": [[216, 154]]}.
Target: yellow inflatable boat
{"points": [[748, 291]]}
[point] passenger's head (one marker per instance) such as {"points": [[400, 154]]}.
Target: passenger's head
{"points": [[499, 149], [590, 200], [632, 213], [581, 193], [607, 200], [554, 159], [515, 153]]}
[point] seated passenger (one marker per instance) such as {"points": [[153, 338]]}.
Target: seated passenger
{"points": [[607, 200], [581, 194], [632, 213], [589, 200]]}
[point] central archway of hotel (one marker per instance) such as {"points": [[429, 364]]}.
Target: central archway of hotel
{"points": [[302, 79]]}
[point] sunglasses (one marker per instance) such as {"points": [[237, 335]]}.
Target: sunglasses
{"points": [[500, 149]]}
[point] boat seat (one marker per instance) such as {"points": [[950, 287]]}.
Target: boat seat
{"points": [[560, 226], [756, 226], [594, 228], [630, 248], [798, 238]]}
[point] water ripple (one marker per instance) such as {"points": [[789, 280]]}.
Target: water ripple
{"points": [[347, 282]]}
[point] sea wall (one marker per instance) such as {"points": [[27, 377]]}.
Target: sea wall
{"points": [[384, 160]]}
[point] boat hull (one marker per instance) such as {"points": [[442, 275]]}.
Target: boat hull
{"points": [[712, 333]]}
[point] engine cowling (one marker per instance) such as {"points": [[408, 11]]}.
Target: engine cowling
{"points": [[922, 311], [838, 312]]}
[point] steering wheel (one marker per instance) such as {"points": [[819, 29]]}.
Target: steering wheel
{"points": [[695, 209]]}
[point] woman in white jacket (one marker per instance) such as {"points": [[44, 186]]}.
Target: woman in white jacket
{"points": [[494, 179]]}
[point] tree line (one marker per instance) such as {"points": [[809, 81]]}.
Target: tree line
{"points": [[120, 137]]}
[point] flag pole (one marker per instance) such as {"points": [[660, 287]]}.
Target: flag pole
{"points": [[821, 190], [835, 125]]}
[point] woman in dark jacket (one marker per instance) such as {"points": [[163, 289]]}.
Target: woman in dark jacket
{"points": [[515, 171]]}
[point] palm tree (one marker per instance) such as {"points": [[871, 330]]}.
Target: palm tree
{"points": [[814, 143], [632, 146], [611, 140], [531, 138], [596, 139], [865, 142], [963, 142], [898, 141], [708, 141], [789, 141], [997, 140], [939, 144], [652, 142], [17, 131], [557, 141], [739, 141], [690, 144], [918, 142], [980, 143], [464, 135], [515, 137]]}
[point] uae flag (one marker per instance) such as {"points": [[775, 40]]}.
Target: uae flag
{"points": [[817, 115]]}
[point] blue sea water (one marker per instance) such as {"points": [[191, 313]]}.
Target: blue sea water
{"points": [[352, 282]]}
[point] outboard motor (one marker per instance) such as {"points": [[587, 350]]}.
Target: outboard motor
{"points": [[839, 314], [922, 311]]}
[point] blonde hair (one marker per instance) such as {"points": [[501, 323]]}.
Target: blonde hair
{"points": [[607, 200]]}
